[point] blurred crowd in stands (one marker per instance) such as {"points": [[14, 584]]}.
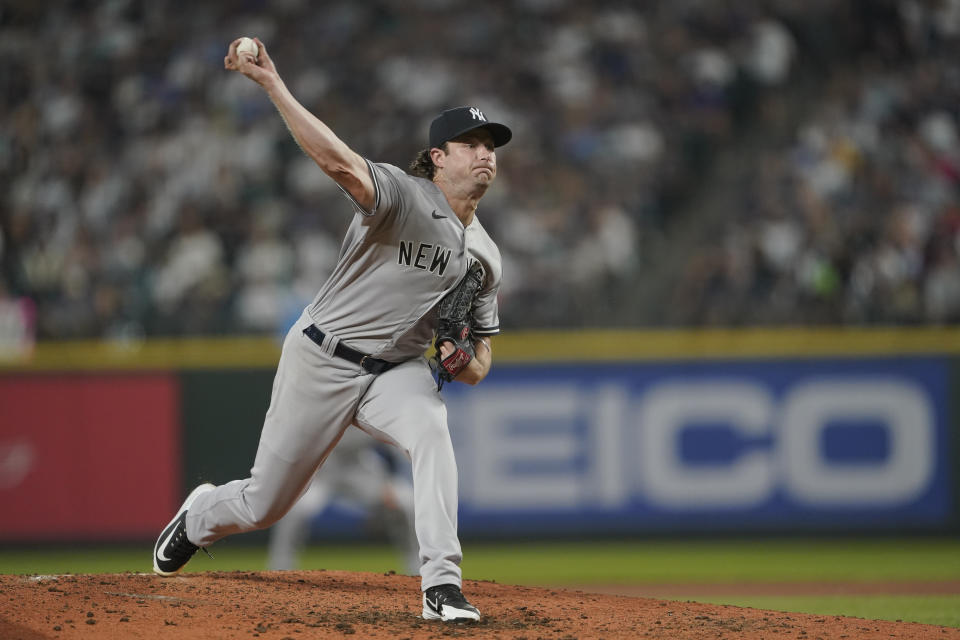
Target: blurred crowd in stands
{"points": [[854, 219], [150, 192]]}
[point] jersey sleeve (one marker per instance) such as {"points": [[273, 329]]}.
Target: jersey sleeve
{"points": [[388, 183], [486, 313]]}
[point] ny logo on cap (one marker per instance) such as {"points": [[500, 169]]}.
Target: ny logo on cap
{"points": [[477, 114]]}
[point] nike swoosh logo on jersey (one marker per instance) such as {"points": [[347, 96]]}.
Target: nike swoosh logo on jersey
{"points": [[437, 216]]}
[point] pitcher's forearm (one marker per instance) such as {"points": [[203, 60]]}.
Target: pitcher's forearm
{"points": [[479, 366], [318, 141]]}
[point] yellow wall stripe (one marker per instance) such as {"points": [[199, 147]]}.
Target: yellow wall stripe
{"points": [[187, 353], [520, 346], [677, 344]]}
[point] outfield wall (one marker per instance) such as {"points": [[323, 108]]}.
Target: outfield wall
{"points": [[571, 434]]}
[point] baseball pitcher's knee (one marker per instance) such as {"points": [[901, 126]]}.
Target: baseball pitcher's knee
{"points": [[262, 514], [431, 434], [266, 519]]}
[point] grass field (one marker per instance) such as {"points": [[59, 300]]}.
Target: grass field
{"points": [[643, 562]]}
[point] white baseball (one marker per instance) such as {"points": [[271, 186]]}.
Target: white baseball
{"points": [[247, 45]]}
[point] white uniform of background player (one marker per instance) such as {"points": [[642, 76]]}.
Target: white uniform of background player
{"points": [[355, 356], [363, 476]]}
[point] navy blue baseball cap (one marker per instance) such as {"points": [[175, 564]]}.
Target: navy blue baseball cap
{"points": [[454, 122]]}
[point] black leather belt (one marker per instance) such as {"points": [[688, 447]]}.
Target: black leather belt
{"points": [[375, 366]]}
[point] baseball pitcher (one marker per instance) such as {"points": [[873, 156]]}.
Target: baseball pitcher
{"points": [[416, 267]]}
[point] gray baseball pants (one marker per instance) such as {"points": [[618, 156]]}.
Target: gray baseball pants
{"points": [[315, 397]]}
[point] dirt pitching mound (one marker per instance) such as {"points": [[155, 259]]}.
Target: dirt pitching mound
{"points": [[334, 604]]}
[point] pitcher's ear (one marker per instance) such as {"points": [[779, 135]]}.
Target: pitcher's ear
{"points": [[438, 155]]}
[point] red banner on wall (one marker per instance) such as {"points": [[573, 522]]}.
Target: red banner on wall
{"points": [[88, 457]]}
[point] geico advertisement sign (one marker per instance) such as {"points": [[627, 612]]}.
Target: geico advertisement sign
{"points": [[568, 446]]}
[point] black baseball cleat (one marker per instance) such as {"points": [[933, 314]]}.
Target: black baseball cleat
{"points": [[446, 602], [173, 549]]}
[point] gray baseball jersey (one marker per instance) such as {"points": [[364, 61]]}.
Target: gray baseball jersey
{"points": [[397, 261]]}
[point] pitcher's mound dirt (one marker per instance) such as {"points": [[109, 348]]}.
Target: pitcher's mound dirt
{"points": [[334, 604]]}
